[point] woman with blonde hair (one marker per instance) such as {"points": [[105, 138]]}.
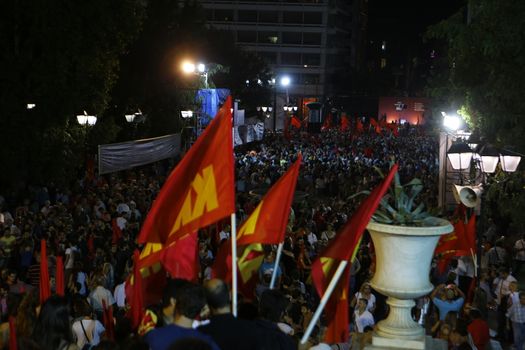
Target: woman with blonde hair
{"points": [[365, 292]]}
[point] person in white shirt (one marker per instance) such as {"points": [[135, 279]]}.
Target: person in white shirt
{"points": [[365, 293], [120, 295], [225, 233], [86, 329], [100, 295], [362, 317], [519, 254]]}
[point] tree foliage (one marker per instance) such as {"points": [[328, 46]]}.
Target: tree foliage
{"points": [[482, 73], [484, 67], [64, 57]]}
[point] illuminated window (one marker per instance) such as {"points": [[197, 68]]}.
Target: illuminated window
{"points": [[268, 37], [383, 63]]}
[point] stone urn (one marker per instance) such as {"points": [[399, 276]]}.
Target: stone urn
{"points": [[403, 258]]}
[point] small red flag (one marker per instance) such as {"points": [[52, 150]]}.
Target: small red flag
{"points": [[344, 123], [200, 190], [45, 289], [137, 299], [59, 277], [295, 122], [117, 232], [359, 126], [12, 334], [107, 318]]}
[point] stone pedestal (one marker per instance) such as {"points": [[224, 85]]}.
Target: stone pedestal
{"points": [[425, 342]]}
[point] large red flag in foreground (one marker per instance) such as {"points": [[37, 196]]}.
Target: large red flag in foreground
{"points": [[342, 247], [45, 289], [267, 223], [200, 190]]}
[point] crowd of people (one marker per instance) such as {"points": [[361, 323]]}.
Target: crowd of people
{"points": [[79, 224]]}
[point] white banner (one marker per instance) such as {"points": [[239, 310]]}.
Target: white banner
{"points": [[243, 134], [126, 155]]}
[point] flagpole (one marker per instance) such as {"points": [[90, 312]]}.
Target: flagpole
{"points": [[234, 264], [277, 258], [324, 300]]}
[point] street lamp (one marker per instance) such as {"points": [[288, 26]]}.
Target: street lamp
{"points": [[509, 161], [86, 120], [459, 155], [189, 67], [266, 110]]}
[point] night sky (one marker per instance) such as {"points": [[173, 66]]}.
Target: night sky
{"points": [[407, 18]]}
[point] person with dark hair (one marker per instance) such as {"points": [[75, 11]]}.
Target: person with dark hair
{"points": [[227, 331], [87, 330], [460, 338], [271, 311], [447, 298], [188, 305], [53, 330], [362, 317], [162, 315]]}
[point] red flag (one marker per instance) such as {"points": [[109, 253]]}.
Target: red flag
{"points": [[295, 122], [137, 299], [200, 190], [117, 232], [359, 126], [345, 244], [344, 123], [45, 289], [250, 259], [13, 345], [59, 277], [222, 266], [180, 259], [337, 330], [108, 321], [470, 234], [267, 223], [327, 122]]}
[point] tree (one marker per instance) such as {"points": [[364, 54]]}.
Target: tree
{"points": [[64, 57], [484, 68]]}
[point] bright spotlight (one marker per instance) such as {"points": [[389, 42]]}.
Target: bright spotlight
{"points": [[188, 67], [201, 67], [452, 122], [285, 81]]}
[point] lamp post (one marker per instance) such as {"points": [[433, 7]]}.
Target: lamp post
{"points": [[285, 82], [485, 162], [266, 110], [86, 121], [134, 119]]}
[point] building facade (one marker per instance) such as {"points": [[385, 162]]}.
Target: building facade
{"points": [[308, 41]]}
